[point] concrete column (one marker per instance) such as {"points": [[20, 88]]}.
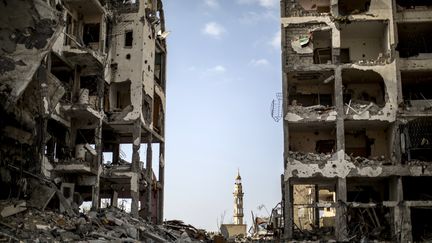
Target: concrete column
{"points": [[341, 210], [161, 182], [395, 146], [114, 199], [406, 227], [334, 7], [340, 130], [149, 175], [99, 146], [76, 84], [285, 104], [288, 211], [74, 96], [116, 153], [316, 209], [42, 118], [401, 214], [98, 166], [136, 136]]}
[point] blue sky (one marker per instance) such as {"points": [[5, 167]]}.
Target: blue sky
{"points": [[223, 72]]}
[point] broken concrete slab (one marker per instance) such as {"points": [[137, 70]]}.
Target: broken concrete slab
{"points": [[13, 209], [41, 196]]}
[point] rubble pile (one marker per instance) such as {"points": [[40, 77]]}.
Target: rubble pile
{"points": [[362, 161], [323, 158], [316, 111], [368, 224], [109, 224], [358, 107], [185, 231], [309, 157], [381, 60], [322, 234], [418, 163]]}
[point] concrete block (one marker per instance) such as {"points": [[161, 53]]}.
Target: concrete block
{"points": [[41, 196], [13, 209]]}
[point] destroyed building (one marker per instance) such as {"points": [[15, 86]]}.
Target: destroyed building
{"points": [[78, 80], [357, 123]]}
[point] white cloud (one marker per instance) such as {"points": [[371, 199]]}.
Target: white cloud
{"points": [[262, 3], [214, 30], [276, 40], [268, 3], [192, 68], [259, 62], [212, 3], [217, 69], [252, 17]]}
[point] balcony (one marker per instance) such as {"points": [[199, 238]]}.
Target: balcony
{"points": [[86, 7], [85, 161], [85, 32]]}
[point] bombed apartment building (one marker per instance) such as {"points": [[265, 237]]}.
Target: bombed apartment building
{"points": [[80, 79], [357, 103]]}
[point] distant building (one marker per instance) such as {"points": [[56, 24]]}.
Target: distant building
{"points": [[237, 228], [238, 200]]}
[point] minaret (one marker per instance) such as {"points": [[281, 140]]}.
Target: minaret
{"points": [[238, 200]]}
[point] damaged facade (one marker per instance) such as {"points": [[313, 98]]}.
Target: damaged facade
{"points": [[357, 119], [78, 79]]}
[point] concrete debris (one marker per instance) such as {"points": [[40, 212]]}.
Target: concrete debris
{"points": [[179, 229], [323, 234], [418, 163], [105, 225], [362, 161], [316, 112], [41, 196], [358, 107], [323, 158], [13, 209], [309, 157]]}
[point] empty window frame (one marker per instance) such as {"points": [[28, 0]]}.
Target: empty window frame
{"points": [[128, 38], [91, 33]]}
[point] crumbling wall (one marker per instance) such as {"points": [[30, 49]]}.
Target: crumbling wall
{"points": [[305, 8], [297, 53], [365, 40], [309, 145], [28, 29], [135, 62], [388, 74]]}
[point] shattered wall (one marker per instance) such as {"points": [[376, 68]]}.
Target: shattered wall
{"points": [[28, 29]]}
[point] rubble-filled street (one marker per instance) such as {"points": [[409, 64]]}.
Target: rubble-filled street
{"points": [[104, 225]]}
